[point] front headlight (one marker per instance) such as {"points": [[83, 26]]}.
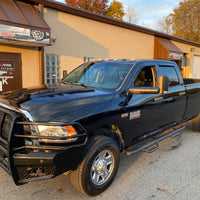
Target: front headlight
{"points": [[56, 131]]}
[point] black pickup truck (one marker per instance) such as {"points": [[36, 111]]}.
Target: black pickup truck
{"points": [[99, 110]]}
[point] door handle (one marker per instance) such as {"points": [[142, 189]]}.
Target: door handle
{"points": [[182, 93]]}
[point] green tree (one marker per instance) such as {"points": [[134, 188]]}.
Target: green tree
{"points": [[115, 10], [185, 20], [97, 6]]}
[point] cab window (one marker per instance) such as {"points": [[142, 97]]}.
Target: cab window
{"points": [[146, 78], [171, 73]]}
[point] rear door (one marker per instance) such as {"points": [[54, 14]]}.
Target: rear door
{"points": [[10, 71], [174, 101]]}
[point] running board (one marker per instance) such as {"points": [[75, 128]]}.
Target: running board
{"points": [[156, 142]]}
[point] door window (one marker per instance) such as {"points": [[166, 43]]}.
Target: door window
{"points": [[146, 77], [171, 73]]}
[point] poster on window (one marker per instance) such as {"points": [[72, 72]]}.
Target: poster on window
{"points": [[24, 34]]}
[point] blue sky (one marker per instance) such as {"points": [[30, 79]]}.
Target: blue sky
{"points": [[150, 11]]}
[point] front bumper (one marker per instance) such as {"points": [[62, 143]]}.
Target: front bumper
{"points": [[27, 162], [39, 165]]}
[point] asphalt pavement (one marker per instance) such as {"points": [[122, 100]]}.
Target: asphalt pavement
{"points": [[171, 173]]}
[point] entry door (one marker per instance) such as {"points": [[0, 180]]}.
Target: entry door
{"points": [[10, 71], [196, 66]]}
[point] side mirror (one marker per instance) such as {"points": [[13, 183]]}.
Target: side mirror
{"points": [[145, 90], [163, 83]]}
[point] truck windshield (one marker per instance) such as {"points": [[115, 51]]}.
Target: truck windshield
{"points": [[101, 74]]}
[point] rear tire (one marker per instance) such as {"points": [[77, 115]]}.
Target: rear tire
{"points": [[98, 167]]}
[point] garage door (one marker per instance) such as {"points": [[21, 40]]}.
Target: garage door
{"points": [[10, 71], [196, 67]]}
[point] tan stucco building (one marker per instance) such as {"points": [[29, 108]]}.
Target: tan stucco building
{"points": [[56, 38], [79, 36]]}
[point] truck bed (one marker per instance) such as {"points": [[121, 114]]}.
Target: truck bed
{"points": [[192, 87], [188, 81]]}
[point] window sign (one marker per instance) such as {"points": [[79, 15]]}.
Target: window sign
{"points": [[24, 34]]}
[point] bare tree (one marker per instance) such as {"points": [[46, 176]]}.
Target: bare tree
{"points": [[131, 14], [164, 25]]}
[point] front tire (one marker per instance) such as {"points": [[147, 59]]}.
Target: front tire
{"points": [[98, 167]]}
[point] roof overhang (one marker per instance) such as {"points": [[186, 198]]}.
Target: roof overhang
{"points": [[166, 49], [22, 24]]}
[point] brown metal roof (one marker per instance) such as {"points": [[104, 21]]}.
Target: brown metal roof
{"points": [[164, 48], [21, 14], [169, 45], [101, 18]]}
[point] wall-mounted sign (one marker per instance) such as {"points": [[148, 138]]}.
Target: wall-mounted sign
{"points": [[24, 34], [176, 56], [6, 65]]}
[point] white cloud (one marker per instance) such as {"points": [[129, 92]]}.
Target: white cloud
{"points": [[152, 10], [149, 11], [62, 1]]}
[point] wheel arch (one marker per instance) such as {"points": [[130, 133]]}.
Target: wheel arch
{"points": [[113, 131]]}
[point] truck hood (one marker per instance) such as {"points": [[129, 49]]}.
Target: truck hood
{"points": [[45, 104]]}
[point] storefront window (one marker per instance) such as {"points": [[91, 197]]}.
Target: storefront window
{"points": [[52, 69]]}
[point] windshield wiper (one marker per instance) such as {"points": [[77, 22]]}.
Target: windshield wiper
{"points": [[71, 83], [81, 84]]}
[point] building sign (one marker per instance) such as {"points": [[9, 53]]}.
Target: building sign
{"points": [[176, 56], [7, 65], [24, 34]]}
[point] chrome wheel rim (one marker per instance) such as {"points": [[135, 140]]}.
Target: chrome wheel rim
{"points": [[102, 167]]}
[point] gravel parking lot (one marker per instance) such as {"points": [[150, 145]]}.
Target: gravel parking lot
{"points": [[171, 173]]}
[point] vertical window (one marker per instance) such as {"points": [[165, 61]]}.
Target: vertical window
{"points": [[52, 68]]}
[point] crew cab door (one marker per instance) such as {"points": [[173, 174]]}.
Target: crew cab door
{"points": [[143, 111], [174, 101]]}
